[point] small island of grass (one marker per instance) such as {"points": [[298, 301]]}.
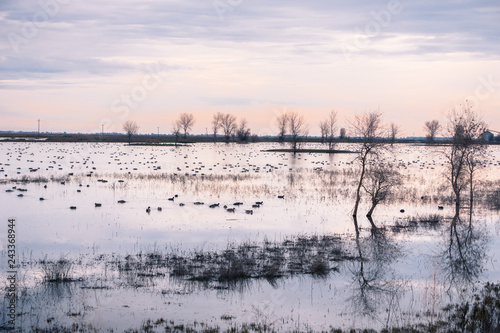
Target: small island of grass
{"points": [[319, 151]]}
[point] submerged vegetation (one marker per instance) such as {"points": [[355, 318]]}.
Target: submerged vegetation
{"points": [[316, 255]]}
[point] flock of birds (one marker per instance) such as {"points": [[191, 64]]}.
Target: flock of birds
{"points": [[257, 204], [59, 157]]}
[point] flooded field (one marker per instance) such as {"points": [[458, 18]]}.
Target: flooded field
{"points": [[109, 236]]}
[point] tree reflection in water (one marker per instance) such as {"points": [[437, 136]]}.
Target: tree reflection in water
{"points": [[464, 254], [375, 290]]}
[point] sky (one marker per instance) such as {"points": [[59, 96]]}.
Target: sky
{"points": [[86, 66]]}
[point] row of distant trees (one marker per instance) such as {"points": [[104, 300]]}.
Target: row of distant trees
{"points": [[291, 125]]}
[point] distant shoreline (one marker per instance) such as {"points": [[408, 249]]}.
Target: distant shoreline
{"points": [[170, 140]]}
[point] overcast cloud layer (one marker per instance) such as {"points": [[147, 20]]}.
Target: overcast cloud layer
{"points": [[78, 64]]}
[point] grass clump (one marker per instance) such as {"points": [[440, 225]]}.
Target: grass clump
{"points": [[56, 271]]}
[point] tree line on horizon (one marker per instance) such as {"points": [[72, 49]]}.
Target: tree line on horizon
{"points": [[291, 127]]}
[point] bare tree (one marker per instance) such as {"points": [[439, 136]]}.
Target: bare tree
{"points": [[369, 128], [331, 125], [394, 131], [465, 129], [323, 127], [297, 128], [216, 124], [176, 131], [228, 125], [380, 179], [282, 123], [431, 128], [131, 128], [186, 121], [243, 131]]}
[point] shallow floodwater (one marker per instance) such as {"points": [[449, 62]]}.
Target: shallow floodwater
{"points": [[411, 271]]}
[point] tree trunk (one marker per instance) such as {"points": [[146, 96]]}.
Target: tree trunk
{"points": [[358, 190], [356, 228], [374, 227]]}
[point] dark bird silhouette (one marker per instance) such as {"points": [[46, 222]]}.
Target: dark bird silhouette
{"points": [[148, 210]]}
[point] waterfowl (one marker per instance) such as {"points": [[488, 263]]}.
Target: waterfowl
{"points": [[181, 204], [98, 204], [41, 199], [214, 205], [249, 211], [256, 206], [121, 201], [159, 209], [199, 203], [281, 197], [230, 210], [148, 210], [238, 203], [440, 207], [72, 207], [401, 210], [171, 199], [259, 202]]}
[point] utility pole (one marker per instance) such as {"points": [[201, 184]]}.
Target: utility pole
{"points": [[102, 129], [38, 126], [158, 134]]}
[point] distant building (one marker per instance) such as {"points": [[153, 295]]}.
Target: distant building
{"points": [[343, 134], [487, 136]]}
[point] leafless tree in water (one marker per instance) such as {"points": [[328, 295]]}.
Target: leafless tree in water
{"points": [[131, 128], [394, 132], [368, 127], [282, 123], [381, 178], [465, 129], [186, 121], [297, 128], [228, 125], [431, 127], [216, 124], [176, 131]]}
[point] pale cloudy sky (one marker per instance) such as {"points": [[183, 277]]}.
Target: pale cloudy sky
{"points": [[78, 64]]}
